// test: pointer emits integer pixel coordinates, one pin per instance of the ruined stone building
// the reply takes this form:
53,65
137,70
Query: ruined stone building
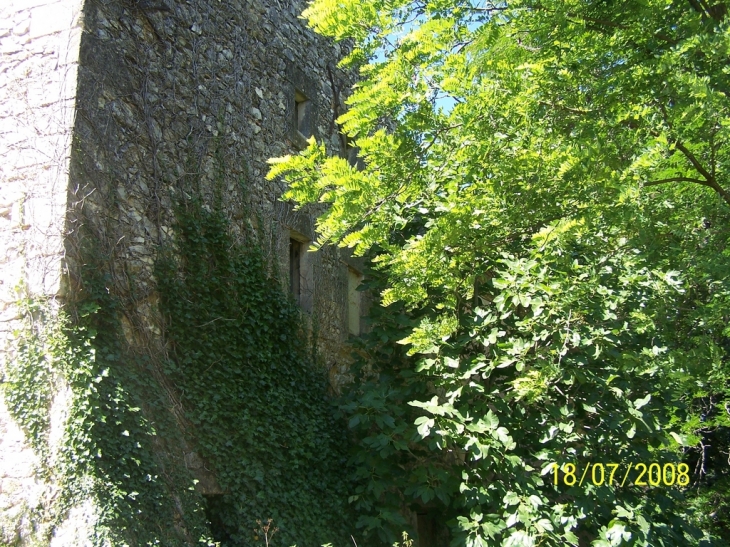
112,114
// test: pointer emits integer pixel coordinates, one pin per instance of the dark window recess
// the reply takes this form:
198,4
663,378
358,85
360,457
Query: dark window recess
295,269
426,532
220,514
354,279
431,529
303,113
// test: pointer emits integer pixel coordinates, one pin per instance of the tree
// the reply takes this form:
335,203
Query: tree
545,198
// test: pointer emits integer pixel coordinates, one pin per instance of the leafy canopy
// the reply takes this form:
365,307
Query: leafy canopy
545,197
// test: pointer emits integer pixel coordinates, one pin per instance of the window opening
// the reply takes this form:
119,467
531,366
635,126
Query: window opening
354,298
303,114
301,272
426,535
219,512
295,269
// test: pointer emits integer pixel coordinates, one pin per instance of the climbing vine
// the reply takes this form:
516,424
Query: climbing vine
229,379
258,405
250,388
29,378
111,450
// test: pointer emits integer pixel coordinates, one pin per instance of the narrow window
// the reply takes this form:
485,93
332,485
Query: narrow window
218,510
426,534
303,113
301,271
353,301
295,269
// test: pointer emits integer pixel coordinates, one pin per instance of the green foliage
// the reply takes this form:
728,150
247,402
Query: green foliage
28,385
544,370
106,452
258,404
545,198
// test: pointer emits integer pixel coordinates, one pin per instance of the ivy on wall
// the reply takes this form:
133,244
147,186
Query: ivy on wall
29,378
110,451
238,357
250,387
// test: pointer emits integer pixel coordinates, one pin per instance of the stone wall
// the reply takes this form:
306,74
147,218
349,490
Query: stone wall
39,46
112,111
193,97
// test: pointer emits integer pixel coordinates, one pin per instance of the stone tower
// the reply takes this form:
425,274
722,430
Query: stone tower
111,113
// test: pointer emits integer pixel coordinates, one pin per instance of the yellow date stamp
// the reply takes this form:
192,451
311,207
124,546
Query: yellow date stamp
599,474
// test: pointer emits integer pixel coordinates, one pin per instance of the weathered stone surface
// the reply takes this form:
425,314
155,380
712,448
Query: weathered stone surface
39,45
167,96
112,115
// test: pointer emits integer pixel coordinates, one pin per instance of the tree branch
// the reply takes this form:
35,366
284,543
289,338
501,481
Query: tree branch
676,179
710,180
693,160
